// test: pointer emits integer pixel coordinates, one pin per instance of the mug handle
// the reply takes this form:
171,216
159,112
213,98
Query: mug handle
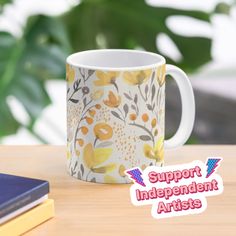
188,107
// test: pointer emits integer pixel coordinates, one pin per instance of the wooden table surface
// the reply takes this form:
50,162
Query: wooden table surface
100,209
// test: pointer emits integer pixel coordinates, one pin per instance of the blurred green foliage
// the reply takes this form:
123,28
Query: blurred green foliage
39,55
129,24
25,65
2,2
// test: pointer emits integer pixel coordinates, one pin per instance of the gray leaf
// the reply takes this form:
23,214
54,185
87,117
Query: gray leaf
133,107
126,109
76,163
153,76
75,85
73,100
145,137
93,180
85,101
127,96
136,98
149,107
146,89
114,113
79,175
82,169
153,91
105,144
90,72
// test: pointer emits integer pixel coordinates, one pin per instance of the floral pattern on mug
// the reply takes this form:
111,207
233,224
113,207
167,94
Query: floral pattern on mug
115,122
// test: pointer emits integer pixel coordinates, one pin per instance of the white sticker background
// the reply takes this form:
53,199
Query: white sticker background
183,181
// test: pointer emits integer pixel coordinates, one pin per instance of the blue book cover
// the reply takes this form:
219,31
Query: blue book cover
16,192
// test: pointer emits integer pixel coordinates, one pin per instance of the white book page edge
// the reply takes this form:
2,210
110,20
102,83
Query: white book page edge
23,209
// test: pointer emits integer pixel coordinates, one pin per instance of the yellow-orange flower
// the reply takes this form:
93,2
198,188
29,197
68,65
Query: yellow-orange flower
80,142
70,74
113,100
98,106
105,78
92,112
156,152
136,77
122,170
89,120
103,131
161,70
84,130
145,117
132,116
143,167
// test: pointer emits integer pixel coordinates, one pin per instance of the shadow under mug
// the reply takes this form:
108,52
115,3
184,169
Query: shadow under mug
115,112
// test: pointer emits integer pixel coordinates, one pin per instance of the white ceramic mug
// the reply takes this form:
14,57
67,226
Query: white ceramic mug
116,108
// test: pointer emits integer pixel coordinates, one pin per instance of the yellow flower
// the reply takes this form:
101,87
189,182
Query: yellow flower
156,152
137,77
154,122
109,179
104,169
77,152
122,171
103,131
105,78
95,157
155,132
70,74
113,100
68,154
96,95
161,75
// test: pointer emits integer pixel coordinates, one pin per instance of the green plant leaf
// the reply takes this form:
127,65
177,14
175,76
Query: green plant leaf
3,2
132,23
25,65
8,124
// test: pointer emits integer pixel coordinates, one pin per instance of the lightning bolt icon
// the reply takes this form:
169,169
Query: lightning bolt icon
212,165
136,176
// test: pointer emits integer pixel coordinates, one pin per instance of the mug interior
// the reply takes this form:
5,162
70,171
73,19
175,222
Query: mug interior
115,59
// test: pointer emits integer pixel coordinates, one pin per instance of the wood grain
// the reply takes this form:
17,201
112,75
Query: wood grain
100,209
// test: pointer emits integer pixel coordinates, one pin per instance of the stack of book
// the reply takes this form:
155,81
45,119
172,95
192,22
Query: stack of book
24,204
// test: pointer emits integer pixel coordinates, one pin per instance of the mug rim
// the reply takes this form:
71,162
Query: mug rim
160,60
